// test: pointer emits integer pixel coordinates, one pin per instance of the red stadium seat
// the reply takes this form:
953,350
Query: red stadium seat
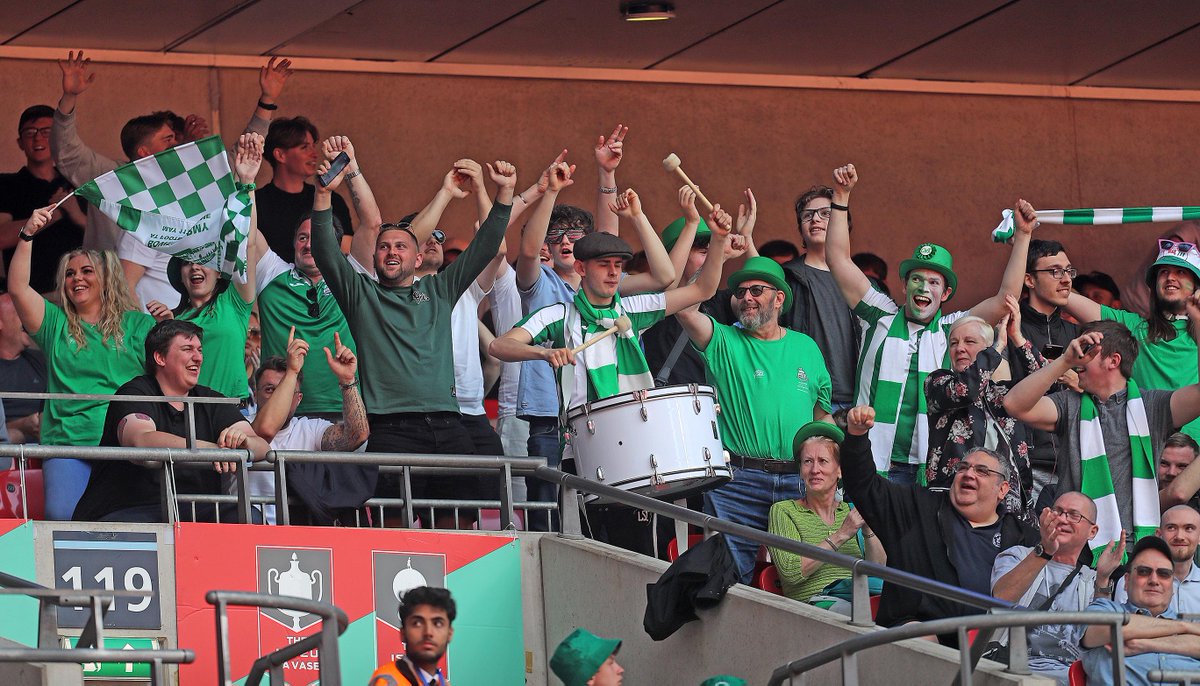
1076,676
10,494
673,546
768,580
875,605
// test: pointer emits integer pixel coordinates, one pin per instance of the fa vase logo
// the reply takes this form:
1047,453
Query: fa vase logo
298,574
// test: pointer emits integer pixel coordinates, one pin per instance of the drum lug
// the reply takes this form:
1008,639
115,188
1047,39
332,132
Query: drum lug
645,415
695,389
587,413
599,473
641,397
591,426
655,479
708,468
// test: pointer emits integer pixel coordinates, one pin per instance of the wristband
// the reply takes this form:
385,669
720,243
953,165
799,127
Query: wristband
354,174
835,206
521,195
348,386
608,189
24,236
265,106
831,543
244,186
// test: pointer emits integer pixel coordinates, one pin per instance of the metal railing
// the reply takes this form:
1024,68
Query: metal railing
333,623
88,648
1173,676
848,650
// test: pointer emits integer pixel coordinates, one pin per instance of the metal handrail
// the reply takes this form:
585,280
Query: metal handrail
333,623
1173,676
848,650
88,648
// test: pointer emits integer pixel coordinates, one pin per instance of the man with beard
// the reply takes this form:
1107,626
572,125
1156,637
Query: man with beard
901,346
1180,528
771,381
1167,353
426,626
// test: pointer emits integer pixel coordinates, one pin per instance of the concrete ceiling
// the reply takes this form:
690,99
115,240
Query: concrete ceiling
1054,42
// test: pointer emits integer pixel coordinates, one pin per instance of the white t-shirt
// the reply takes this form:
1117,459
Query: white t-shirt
505,300
464,333
154,284
302,433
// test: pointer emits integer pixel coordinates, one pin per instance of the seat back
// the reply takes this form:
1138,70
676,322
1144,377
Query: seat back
10,494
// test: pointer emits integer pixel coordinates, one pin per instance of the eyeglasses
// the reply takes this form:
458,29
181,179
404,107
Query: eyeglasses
1162,573
31,132
314,310
1057,273
1071,515
254,332
755,290
439,236
573,234
1166,245
980,470
806,216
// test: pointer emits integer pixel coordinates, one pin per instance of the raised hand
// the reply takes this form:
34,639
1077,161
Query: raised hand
844,179
859,420
626,204
335,145
1111,558
719,221
544,182
342,361
1048,531
747,215
1002,333
272,78
560,176
1083,349
1193,306
334,182
159,311
195,127
77,73
736,246
1026,217
38,220
609,150
503,174
297,351
248,156
851,524
687,203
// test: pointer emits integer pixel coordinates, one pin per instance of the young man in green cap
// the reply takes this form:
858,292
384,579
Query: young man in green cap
1166,351
901,345
585,659
771,381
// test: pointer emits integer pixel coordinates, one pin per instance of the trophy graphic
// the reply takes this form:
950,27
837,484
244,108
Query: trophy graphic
295,583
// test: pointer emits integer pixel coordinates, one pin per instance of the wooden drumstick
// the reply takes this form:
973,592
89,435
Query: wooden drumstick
671,164
623,325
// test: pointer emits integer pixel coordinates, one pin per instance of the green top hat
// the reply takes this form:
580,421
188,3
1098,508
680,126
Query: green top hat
671,234
816,428
935,257
762,269
580,656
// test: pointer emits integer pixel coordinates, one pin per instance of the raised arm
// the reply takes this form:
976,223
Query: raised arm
274,413
704,287
851,281
530,196
72,157
1027,401
1182,489
349,433
1185,401
30,305
455,185
661,273
529,260
746,219
608,156
272,77
682,248
362,243
247,159
992,309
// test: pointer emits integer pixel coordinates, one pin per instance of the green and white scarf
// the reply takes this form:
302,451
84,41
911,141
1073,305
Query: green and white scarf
1099,215
611,369
1096,478
901,436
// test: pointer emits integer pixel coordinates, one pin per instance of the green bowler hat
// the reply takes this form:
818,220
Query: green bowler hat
935,257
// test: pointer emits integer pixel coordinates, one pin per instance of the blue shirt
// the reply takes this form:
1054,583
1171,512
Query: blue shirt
1097,662
537,394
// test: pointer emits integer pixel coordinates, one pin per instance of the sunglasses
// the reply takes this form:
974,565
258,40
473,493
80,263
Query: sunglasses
555,236
439,236
755,290
1166,246
314,310
1144,571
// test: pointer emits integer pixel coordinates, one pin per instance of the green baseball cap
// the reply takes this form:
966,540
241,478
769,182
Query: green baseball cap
816,428
762,269
935,257
671,234
580,656
723,680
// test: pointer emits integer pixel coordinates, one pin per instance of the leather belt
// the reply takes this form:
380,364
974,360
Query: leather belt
763,465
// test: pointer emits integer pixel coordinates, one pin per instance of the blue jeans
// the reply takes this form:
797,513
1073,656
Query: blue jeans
903,473
65,479
747,500
543,442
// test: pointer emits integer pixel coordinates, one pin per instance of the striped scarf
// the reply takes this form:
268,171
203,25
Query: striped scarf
897,388
611,369
1096,478
1099,215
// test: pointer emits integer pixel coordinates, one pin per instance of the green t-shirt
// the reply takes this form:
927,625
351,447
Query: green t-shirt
790,520
1163,364
767,389
283,302
98,367
225,327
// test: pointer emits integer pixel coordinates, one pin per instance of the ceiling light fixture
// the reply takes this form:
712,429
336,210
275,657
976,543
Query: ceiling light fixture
647,11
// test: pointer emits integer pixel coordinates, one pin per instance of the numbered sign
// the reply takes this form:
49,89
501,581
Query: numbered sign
123,561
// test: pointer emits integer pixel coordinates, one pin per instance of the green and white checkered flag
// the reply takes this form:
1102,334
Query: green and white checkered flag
1099,215
183,202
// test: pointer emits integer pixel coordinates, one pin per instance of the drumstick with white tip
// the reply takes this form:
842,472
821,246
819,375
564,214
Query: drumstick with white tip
671,164
623,325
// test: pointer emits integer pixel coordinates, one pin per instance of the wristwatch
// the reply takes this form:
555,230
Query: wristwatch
1107,590
24,236
1041,552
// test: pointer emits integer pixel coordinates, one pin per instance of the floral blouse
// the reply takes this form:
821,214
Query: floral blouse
960,405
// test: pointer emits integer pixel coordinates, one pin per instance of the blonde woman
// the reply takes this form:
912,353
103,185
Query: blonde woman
93,343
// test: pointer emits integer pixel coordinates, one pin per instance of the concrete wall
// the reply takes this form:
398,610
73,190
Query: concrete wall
749,634
933,167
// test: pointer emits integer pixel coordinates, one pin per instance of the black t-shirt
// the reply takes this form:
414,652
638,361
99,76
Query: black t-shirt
279,213
116,485
973,552
22,193
659,340
26,374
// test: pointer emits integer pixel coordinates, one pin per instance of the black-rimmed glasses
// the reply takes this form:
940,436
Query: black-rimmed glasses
1071,515
1057,273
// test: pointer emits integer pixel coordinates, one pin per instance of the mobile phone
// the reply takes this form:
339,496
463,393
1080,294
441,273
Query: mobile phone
339,163
1050,351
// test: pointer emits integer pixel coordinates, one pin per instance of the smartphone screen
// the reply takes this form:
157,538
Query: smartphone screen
339,163
1051,351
